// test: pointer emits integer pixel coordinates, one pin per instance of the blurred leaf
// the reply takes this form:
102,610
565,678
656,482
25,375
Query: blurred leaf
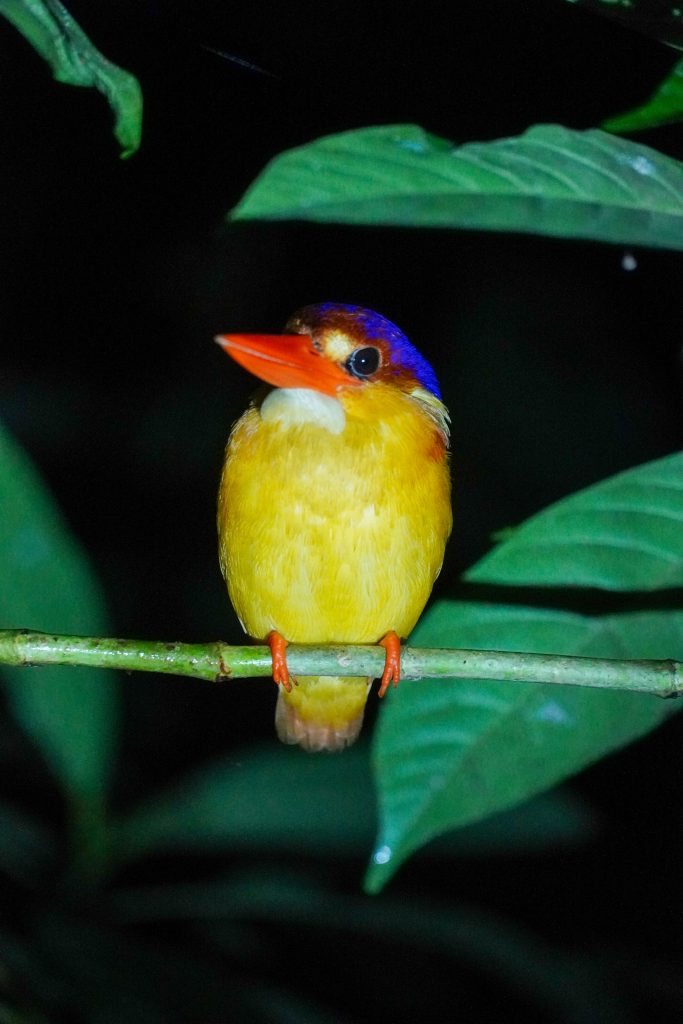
26,846
549,181
569,990
51,30
13,1011
660,19
624,533
665,106
548,821
278,798
20,962
283,1006
447,753
72,715
240,803
108,976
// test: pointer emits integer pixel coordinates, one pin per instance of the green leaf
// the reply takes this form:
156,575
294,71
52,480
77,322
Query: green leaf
269,797
549,181
665,106
450,753
51,30
72,715
624,533
239,803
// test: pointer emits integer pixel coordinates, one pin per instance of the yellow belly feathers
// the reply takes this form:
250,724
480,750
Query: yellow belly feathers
332,526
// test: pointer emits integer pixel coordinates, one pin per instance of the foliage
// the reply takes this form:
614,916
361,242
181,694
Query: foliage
73,719
622,534
549,181
473,756
58,38
78,938
665,106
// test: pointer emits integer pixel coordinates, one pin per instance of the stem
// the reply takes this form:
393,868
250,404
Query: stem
220,662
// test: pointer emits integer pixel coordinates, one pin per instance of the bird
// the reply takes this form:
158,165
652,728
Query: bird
334,504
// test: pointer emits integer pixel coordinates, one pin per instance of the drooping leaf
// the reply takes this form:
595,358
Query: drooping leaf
56,36
267,798
624,533
448,753
549,181
665,106
47,585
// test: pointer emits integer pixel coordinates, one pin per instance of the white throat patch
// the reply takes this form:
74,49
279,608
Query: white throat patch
303,405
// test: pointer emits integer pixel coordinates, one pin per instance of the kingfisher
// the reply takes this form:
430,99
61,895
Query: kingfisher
334,504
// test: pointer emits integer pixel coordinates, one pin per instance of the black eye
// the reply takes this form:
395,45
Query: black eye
363,362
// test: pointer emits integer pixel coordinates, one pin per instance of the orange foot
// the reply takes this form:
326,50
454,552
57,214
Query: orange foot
392,661
278,645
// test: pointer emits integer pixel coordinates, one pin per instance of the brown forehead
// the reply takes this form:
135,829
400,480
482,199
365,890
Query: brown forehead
336,333
316,321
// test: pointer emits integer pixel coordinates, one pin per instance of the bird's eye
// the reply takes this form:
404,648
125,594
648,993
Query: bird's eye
363,361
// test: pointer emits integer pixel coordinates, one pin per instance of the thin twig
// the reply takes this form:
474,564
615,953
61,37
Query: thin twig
220,662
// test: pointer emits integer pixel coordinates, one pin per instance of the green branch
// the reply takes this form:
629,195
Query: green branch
220,662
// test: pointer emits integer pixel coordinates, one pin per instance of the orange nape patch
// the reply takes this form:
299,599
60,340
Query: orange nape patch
438,448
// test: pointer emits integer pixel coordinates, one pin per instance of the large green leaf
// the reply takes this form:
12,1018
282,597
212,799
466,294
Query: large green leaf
624,533
47,584
665,106
447,753
58,38
271,797
243,802
549,181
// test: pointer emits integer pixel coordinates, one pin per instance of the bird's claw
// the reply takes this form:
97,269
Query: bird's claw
278,647
392,661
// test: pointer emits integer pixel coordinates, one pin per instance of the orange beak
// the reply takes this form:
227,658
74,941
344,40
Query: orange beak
286,360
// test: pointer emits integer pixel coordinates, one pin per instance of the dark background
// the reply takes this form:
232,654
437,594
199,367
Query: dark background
559,365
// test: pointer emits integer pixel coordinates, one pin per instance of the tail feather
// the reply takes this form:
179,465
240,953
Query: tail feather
322,712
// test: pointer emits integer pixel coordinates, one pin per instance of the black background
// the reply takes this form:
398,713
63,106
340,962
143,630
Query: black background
560,366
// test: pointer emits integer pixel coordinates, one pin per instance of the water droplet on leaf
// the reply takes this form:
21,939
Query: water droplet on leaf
383,855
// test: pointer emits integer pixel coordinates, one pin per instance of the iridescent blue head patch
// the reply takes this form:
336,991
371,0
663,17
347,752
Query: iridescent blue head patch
368,326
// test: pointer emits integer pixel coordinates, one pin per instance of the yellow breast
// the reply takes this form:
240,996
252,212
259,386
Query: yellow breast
333,518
